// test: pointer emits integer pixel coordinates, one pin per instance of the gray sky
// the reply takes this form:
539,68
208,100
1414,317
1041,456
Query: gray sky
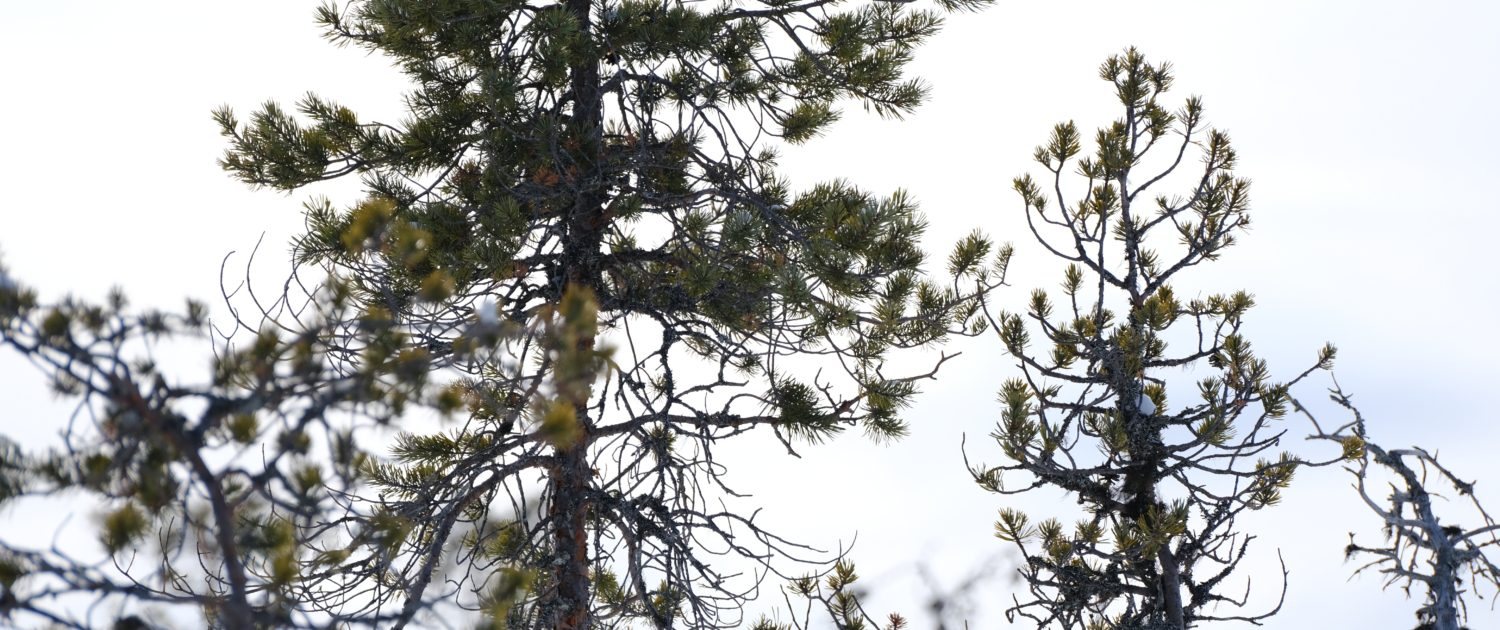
1368,128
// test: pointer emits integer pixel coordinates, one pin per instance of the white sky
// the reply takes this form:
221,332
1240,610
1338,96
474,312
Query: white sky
1368,128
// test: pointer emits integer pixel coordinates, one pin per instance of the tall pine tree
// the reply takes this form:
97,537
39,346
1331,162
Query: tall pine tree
614,157
1161,482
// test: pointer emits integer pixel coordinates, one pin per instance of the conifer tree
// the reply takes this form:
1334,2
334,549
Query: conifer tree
223,497
1103,410
618,150
1448,560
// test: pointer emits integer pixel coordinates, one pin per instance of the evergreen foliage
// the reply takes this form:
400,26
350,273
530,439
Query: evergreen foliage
614,154
1161,475
227,496
575,256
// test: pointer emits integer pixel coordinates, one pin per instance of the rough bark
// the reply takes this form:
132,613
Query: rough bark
1171,587
570,477
570,535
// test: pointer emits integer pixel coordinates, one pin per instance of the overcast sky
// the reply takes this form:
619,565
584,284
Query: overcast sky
1369,129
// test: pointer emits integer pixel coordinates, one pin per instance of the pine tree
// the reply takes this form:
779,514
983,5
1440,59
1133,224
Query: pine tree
1422,547
614,156
1091,414
222,496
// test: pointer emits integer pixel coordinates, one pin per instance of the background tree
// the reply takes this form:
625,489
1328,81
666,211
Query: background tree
232,496
615,149
1091,415
1420,547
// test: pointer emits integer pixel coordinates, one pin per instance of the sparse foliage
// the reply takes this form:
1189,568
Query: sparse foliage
830,597
1162,467
230,496
1449,562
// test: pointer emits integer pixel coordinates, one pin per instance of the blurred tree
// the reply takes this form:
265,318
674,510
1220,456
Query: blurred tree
615,149
1420,547
1091,415
230,495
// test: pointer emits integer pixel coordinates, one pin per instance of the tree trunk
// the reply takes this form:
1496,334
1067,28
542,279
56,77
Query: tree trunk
1445,574
572,475
1171,587
570,483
